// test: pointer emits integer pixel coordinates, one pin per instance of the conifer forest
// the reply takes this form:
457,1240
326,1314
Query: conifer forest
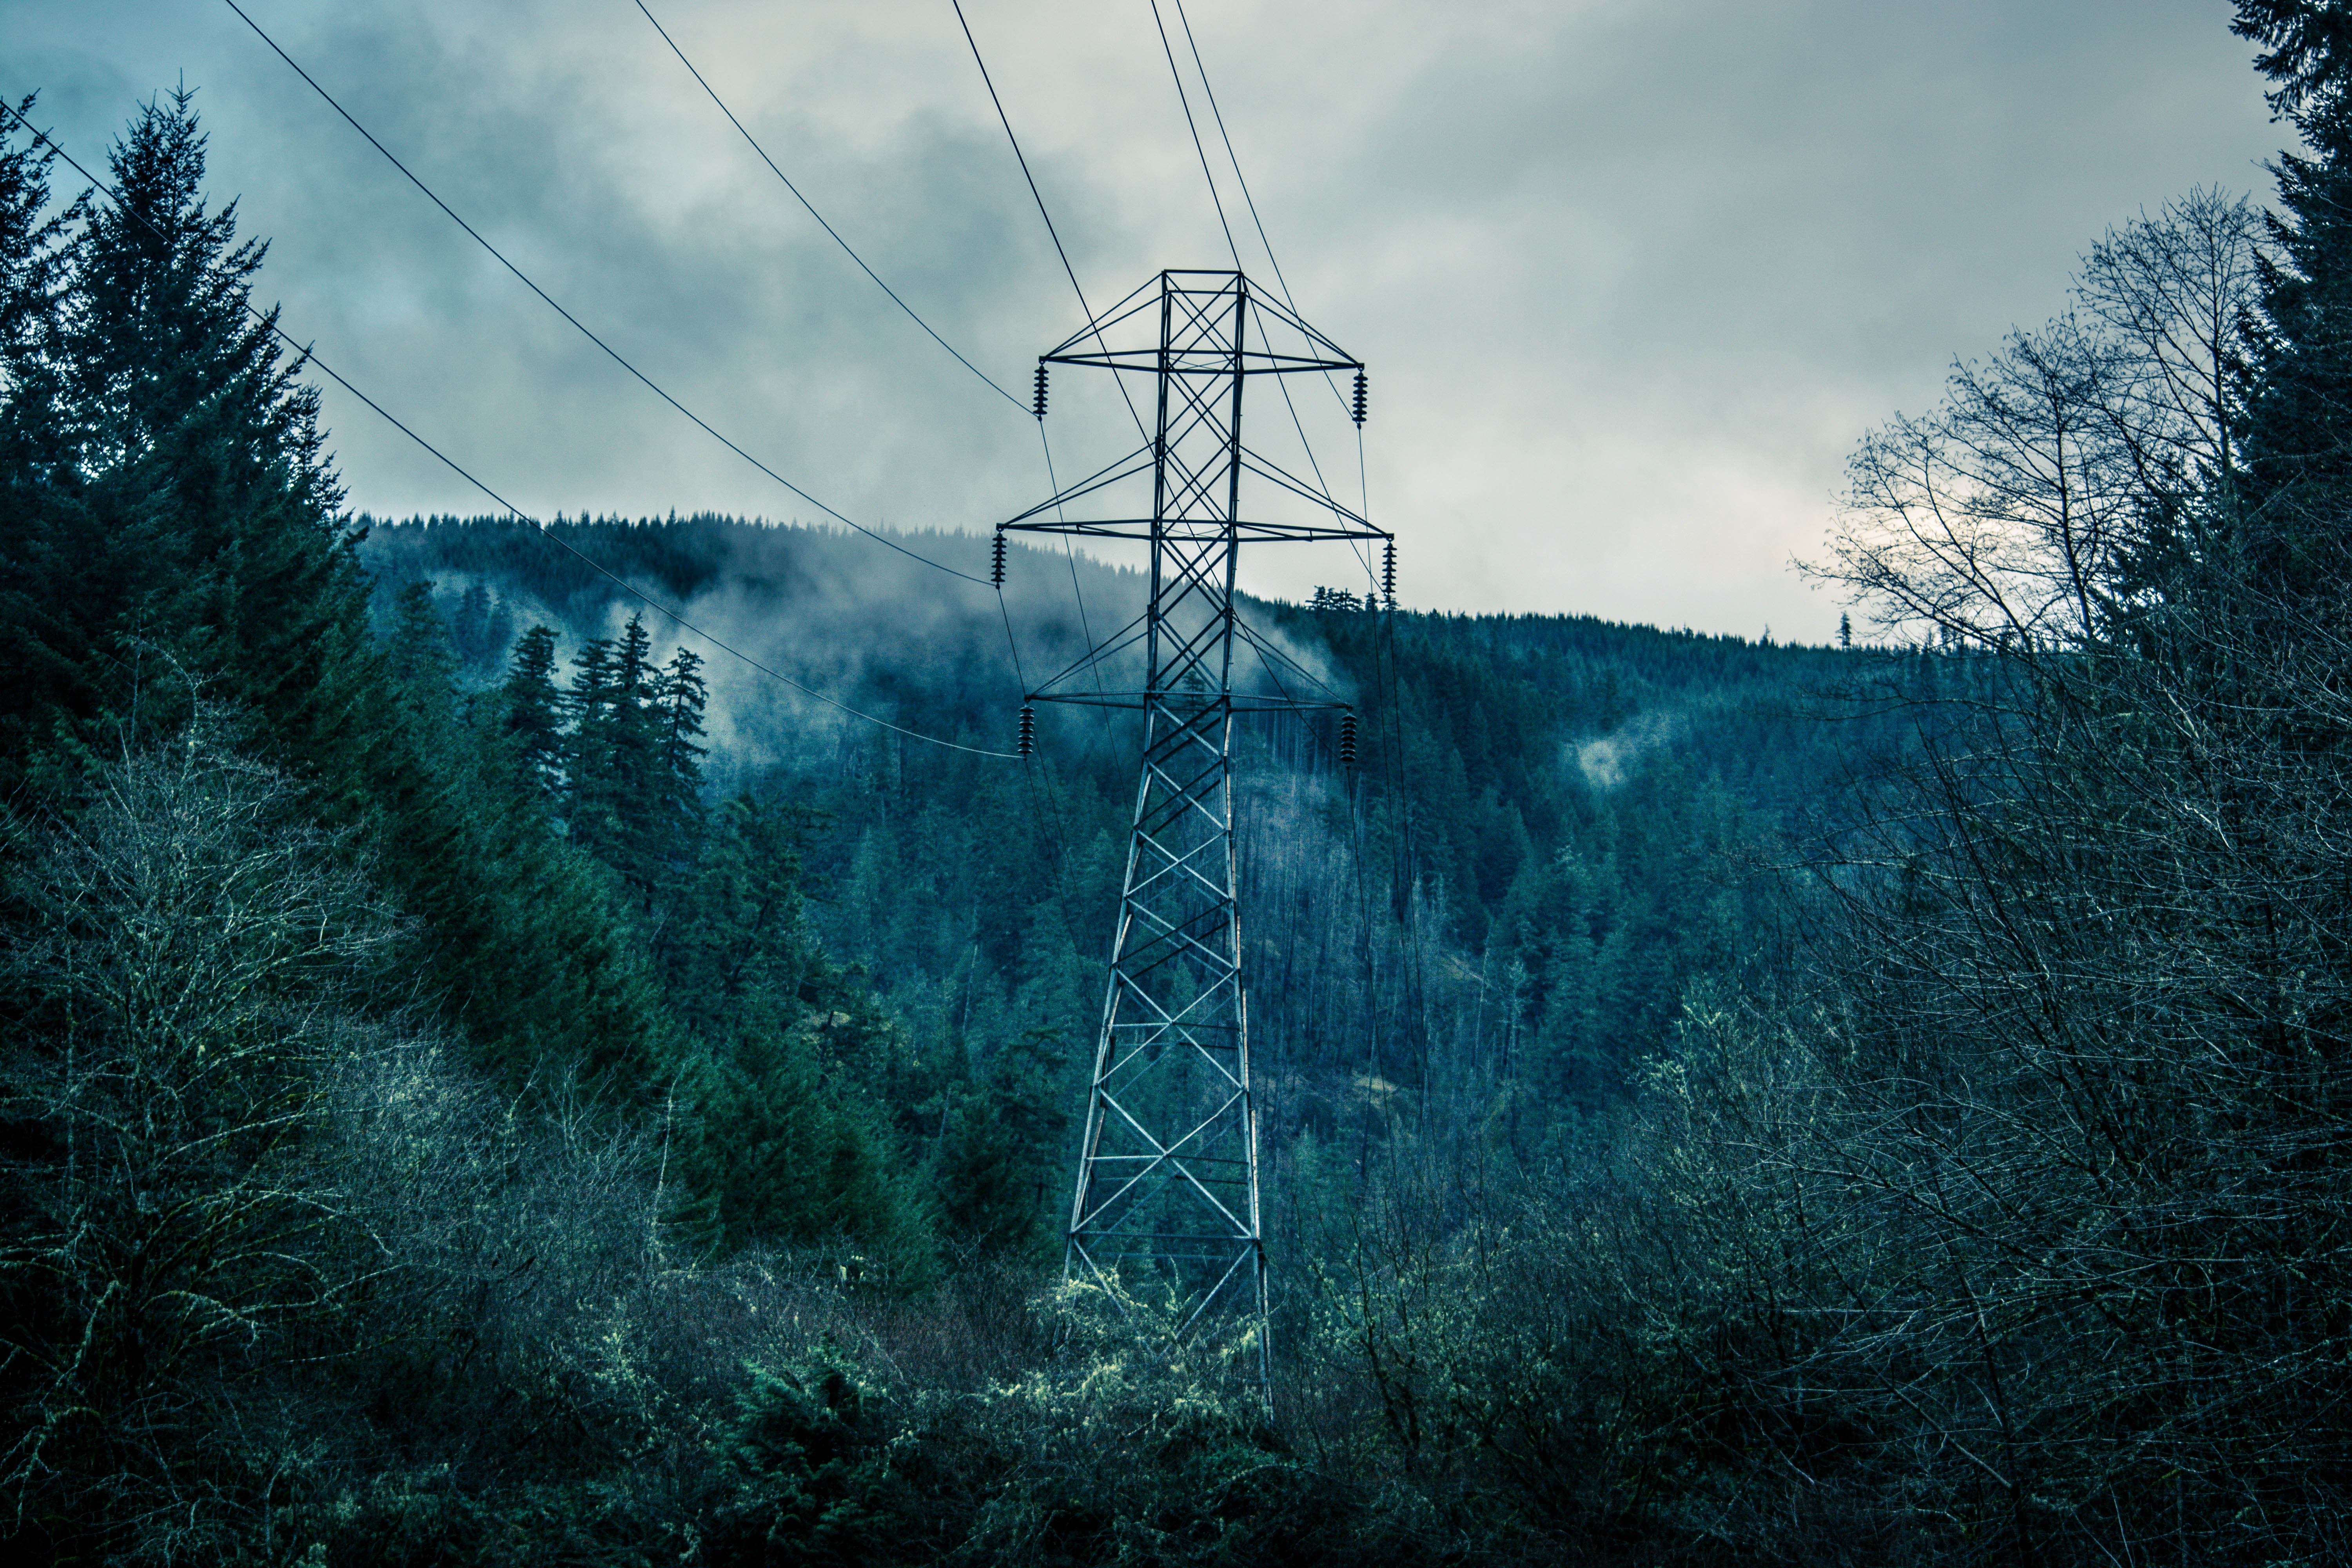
487,1076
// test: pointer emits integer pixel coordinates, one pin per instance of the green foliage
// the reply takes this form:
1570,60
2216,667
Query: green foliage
1198,1476
814,1470
999,1173
616,807
780,1147
169,504
173,530
532,711
438,1124
2282,530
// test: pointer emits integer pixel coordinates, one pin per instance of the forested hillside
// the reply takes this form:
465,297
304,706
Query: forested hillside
1555,807
527,1044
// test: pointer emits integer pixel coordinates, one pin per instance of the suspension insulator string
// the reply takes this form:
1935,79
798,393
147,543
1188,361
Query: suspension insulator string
1360,393
1028,742
996,561
1347,738
1041,393
1388,575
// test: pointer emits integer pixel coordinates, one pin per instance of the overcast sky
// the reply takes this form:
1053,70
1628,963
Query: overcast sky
1630,276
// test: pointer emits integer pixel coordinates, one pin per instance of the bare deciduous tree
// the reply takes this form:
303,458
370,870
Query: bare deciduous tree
2016,513
182,971
2093,994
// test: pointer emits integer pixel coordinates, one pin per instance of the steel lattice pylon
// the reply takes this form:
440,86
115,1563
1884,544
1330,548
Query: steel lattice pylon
1168,1176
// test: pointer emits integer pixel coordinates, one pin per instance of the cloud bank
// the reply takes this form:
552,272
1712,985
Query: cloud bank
1630,278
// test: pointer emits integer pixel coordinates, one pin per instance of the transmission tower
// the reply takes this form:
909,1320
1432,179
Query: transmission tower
1167,1187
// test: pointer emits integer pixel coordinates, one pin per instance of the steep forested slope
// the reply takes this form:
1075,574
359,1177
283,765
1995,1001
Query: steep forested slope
1545,836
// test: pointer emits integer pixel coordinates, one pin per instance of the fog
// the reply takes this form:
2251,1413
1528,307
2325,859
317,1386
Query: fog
1631,280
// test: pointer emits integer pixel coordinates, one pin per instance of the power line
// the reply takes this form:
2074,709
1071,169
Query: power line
820,217
1051,233
1004,120
1177,74
1218,115
1386,633
1085,627
1282,384
618,359
611,353
1193,126
1012,644
1242,180
1085,310
1225,136
305,355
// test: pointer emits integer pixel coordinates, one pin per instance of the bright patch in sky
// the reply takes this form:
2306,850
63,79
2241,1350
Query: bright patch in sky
1630,278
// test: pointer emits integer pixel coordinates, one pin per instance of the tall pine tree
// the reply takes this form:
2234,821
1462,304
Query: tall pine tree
171,528
170,502
534,710
679,698
2299,442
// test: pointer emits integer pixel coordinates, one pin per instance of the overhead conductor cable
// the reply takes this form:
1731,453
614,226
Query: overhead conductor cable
804,202
305,355
609,351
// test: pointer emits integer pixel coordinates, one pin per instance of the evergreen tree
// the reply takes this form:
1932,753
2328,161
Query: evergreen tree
1000,1167
169,492
617,758
679,698
742,927
2299,444
587,705
172,526
420,654
635,770
592,686
32,254
36,635
534,711
480,628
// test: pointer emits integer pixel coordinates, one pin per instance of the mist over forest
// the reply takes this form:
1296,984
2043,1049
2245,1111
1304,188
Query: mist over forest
568,1042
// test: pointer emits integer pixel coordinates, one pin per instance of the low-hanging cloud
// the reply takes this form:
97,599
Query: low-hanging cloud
1605,762
1621,337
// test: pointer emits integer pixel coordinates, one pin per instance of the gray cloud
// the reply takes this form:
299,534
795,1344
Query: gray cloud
1631,277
